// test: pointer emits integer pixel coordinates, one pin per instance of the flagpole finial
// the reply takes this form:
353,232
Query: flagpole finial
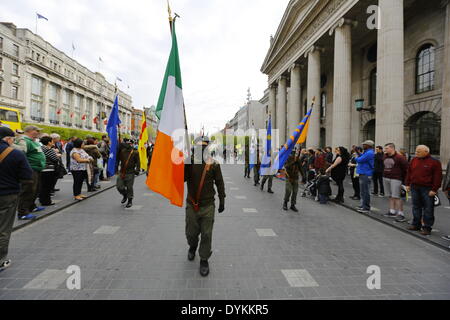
169,11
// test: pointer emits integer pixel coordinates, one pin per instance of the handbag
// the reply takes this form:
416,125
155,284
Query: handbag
60,170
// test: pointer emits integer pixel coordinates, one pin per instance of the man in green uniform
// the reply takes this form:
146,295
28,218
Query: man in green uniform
36,158
130,165
201,175
292,169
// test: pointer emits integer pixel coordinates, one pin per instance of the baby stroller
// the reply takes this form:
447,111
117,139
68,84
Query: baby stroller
311,185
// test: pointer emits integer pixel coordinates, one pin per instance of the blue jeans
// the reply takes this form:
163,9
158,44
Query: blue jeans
364,185
423,207
323,198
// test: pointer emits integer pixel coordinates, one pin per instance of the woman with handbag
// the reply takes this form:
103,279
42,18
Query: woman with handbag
48,176
79,161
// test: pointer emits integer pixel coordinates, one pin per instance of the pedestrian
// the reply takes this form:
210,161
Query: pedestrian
37,161
423,179
320,160
394,174
353,174
201,175
247,161
338,171
364,169
103,147
292,170
69,147
79,161
328,156
60,170
269,184
378,172
446,182
93,170
130,166
48,175
256,168
323,186
14,168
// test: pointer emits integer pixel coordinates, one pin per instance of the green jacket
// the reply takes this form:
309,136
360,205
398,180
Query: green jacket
193,174
33,152
293,166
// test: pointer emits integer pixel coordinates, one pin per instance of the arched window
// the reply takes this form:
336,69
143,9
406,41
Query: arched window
425,68
323,105
369,130
425,128
373,87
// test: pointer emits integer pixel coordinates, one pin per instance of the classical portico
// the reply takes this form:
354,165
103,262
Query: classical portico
337,52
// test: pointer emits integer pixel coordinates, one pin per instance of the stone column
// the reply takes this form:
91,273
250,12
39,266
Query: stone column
83,112
46,101
273,104
342,90
390,68
281,109
295,104
313,55
445,115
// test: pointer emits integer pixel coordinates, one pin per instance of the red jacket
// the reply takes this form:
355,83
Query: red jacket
425,172
320,161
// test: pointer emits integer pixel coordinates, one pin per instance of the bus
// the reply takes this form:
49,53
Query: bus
10,118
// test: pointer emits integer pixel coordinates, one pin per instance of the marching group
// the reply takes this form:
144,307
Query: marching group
394,174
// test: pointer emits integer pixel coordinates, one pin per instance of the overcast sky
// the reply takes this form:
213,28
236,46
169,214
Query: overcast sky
222,46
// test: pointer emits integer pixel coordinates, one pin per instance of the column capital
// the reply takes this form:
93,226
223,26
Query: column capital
314,48
282,78
342,22
295,65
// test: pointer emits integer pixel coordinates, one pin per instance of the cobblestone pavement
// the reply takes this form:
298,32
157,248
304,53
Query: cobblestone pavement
260,252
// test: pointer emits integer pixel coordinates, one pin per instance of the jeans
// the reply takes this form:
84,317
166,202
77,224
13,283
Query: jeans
378,179
423,207
323,198
364,184
96,178
356,188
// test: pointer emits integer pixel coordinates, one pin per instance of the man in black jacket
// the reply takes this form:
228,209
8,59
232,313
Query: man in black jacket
378,171
14,169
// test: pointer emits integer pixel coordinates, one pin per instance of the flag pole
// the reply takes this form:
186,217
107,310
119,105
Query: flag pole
36,22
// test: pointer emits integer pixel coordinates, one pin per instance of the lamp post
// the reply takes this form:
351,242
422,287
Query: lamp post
359,104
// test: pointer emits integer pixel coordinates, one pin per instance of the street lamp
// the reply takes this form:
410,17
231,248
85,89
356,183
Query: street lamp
359,104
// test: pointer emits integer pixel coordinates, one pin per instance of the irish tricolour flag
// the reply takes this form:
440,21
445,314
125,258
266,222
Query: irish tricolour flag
166,175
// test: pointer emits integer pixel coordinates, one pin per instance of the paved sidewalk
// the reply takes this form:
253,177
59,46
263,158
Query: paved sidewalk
260,252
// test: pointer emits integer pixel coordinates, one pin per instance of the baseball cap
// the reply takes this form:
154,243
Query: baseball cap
369,143
32,128
6,132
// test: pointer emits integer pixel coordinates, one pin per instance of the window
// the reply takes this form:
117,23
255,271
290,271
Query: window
425,69
373,88
1,83
88,112
36,99
15,69
14,92
323,105
10,116
369,130
15,50
38,57
53,104
1,43
1,63
67,98
77,110
425,128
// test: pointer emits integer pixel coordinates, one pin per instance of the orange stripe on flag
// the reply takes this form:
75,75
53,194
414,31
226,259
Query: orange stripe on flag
166,177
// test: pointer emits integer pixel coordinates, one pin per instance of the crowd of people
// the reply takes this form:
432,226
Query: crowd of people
395,175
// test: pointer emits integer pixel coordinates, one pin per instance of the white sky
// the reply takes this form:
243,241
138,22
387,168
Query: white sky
222,45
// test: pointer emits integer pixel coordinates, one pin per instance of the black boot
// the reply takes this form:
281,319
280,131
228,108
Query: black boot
124,199
285,206
293,208
270,191
130,203
262,186
204,268
191,254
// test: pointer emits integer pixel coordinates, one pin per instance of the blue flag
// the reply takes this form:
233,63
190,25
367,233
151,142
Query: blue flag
286,150
111,129
267,159
41,16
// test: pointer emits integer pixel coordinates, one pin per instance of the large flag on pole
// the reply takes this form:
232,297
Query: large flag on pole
143,140
286,150
111,129
266,162
166,175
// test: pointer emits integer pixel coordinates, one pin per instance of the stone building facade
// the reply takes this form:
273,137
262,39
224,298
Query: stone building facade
50,88
391,57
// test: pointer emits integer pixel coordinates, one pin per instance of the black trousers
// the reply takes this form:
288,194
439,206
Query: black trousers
28,195
378,179
47,185
78,179
8,205
356,189
340,194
